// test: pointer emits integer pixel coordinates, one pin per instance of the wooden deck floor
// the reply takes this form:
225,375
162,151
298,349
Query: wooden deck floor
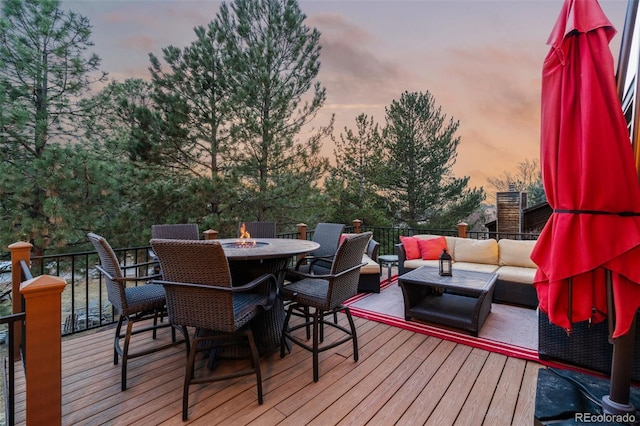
401,378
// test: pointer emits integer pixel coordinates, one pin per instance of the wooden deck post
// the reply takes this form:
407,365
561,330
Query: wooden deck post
357,226
302,231
43,302
302,235
210,234
462,230
19,251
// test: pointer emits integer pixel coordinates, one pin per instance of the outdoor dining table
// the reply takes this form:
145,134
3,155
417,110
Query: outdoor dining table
251,258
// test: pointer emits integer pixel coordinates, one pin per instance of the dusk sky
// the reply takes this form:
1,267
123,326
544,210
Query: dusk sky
481,60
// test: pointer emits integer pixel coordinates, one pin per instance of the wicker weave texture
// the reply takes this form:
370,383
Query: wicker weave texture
196,262
195,307
587,346
328,236
203,262
109,262
176,231
326,294
126,301
259,229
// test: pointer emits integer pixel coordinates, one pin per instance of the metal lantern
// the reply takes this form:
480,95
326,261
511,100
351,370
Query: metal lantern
445,264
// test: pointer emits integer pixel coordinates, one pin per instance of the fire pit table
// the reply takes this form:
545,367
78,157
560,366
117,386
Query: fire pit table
250,258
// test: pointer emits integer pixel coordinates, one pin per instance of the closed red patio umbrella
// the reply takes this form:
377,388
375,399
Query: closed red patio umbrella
589,176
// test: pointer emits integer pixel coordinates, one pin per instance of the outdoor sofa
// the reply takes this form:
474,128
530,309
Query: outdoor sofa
510,259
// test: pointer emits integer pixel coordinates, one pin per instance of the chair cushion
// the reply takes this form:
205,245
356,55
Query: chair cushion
308,291
144,298
371,266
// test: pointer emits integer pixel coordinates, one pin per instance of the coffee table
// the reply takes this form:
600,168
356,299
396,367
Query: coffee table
461,301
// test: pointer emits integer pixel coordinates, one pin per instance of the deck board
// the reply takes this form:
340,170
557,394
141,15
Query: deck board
477,402
506,395
454,398
401,377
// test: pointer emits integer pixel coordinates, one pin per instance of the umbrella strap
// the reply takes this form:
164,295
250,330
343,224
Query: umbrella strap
596,212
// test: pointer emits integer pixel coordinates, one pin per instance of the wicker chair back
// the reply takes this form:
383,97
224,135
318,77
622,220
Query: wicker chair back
177,231
190,261
259,229
349,254
328,236
200,262
109,262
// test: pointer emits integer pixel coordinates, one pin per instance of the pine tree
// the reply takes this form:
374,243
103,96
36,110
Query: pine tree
421,147
271,58
45,70
354,184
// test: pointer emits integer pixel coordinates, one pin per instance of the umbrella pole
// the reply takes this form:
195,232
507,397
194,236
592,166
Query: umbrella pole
617,402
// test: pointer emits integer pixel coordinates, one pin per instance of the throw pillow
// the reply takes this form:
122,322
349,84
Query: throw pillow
432,249
411,248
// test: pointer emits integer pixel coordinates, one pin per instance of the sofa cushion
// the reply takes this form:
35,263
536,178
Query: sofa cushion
476,251
475,267
411,248
416,263
432,248
371,267
516,274
516,253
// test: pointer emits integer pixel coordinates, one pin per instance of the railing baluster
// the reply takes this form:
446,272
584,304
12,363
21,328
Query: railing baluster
9,367
388,237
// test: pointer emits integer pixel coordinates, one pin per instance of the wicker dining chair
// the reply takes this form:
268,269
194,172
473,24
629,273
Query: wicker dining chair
176,231
132,304
258,229
326,295
173,231
328,236
200,294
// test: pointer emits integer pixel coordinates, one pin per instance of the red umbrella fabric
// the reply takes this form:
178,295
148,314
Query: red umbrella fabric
589,176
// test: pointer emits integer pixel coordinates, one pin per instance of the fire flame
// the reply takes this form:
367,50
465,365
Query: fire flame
243,232
244,238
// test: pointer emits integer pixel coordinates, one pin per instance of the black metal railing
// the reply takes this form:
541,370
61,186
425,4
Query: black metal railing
11,323
85,304
9,365
484,235
84,300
